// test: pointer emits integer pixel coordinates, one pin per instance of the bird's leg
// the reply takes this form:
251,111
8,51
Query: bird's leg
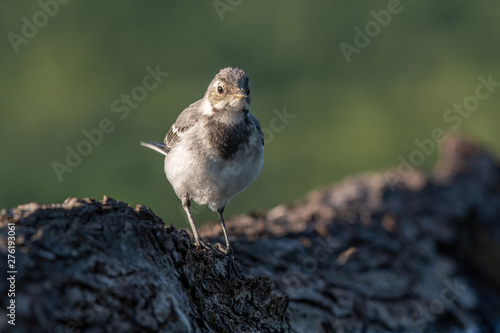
186,204
228,250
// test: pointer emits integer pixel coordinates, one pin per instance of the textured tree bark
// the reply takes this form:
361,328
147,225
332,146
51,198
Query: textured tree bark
384,252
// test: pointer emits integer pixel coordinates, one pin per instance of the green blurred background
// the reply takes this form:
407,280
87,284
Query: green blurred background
350,117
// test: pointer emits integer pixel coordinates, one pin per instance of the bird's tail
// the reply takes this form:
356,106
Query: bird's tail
159,147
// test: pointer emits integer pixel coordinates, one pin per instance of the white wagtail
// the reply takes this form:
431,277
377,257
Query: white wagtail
215,148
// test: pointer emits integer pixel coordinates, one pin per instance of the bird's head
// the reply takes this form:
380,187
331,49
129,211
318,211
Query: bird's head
229,91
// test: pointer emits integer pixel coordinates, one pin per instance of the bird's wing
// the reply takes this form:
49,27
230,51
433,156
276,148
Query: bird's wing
186,120
256,123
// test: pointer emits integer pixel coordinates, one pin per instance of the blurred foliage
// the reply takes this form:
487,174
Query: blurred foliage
350,117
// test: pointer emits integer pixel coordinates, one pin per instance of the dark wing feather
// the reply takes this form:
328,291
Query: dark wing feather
184,122
173,136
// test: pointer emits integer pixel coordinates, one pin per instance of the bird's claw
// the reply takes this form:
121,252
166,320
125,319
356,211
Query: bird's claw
208,247
228,250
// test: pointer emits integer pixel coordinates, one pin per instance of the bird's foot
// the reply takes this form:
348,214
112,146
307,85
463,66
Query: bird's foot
207,246
227,251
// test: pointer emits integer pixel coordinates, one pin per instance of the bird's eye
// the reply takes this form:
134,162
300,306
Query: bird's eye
220,90
248,91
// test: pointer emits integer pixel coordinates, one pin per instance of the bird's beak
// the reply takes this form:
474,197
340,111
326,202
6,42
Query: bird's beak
240,95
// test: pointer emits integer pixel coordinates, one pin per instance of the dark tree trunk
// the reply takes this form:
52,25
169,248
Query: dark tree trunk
383,252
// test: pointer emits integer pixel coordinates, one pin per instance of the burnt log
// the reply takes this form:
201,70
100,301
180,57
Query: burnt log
394,251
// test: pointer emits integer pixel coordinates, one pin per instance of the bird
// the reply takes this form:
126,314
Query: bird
214,150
